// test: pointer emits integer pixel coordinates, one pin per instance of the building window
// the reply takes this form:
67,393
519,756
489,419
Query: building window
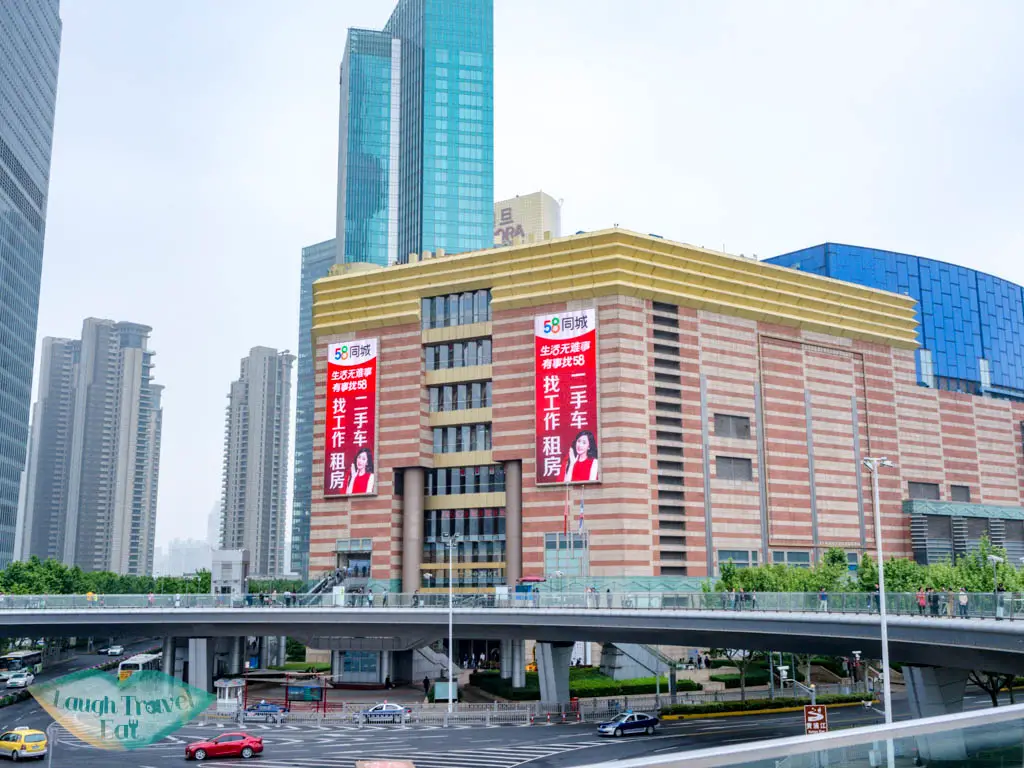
360,661
455,309
960,493
795,559
459,354
741,558
464,437
732,426
927,491
478,479
733,468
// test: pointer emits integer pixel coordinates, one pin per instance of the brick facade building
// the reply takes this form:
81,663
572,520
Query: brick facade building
737,400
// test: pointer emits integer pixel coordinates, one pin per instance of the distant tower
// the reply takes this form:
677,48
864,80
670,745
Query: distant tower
256,459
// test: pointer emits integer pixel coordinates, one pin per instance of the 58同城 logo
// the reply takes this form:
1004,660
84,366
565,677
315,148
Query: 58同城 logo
569,323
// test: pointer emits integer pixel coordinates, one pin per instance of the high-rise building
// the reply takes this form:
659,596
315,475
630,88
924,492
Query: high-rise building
416,133
30,34
317,261
186,556
527,218
213,527
255,459
94,463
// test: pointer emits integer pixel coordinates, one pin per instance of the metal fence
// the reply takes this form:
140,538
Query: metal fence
975,605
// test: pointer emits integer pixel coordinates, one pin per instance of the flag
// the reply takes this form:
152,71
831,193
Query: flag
581,514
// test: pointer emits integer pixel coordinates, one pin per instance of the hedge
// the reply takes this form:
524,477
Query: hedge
756,704
582,685
754,677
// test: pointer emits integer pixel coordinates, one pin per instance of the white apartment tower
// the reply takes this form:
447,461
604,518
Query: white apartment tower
90,491
256,459
527,219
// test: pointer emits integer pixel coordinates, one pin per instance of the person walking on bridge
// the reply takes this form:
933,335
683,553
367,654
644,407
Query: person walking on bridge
920,601
962,600
823,600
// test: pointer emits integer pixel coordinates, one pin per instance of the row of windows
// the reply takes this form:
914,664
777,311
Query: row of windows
459,480
472,523
459,397
465,437
743,558
456,309
459,354
465,552
930,492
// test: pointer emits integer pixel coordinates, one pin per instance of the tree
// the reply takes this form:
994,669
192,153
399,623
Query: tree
991,683
741,660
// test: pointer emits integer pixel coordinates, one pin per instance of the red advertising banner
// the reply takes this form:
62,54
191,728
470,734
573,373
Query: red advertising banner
351,426
565,359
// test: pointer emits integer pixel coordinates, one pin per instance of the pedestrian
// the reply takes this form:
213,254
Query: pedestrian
732,598
483,659
933,602
1000,601
417,601
151,599
707,661
822,600
608,597
288,598
700,662
273,597
920,601
962,600
875,599
369,597
426,686
753,600
177,601
385,597
387,683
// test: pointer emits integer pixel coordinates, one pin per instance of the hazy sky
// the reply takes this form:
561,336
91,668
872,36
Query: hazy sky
196,154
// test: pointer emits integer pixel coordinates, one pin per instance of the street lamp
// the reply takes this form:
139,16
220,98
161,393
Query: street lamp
996,560
451,541
873,464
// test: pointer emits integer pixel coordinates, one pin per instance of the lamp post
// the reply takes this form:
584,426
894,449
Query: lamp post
451,541
996,560
873,465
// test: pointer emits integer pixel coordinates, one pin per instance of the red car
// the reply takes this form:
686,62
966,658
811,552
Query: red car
225,745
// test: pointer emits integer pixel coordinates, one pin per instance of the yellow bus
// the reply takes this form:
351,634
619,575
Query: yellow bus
137,663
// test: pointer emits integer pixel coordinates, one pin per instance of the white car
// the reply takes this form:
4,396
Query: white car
115,650
20,680
384,713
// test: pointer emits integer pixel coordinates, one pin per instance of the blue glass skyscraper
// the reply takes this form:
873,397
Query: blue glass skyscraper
30,33
416,136
317,261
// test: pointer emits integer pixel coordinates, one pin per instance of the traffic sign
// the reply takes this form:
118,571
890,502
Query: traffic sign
815,718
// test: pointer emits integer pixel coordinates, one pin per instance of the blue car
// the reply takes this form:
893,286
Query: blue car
265,712
629,722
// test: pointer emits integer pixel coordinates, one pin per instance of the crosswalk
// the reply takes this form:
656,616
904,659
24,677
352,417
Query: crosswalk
479,757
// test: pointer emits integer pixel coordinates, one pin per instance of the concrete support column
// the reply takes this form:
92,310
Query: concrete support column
935,691
505,659
236,654
200,662
553,662
412,528
385,665
513,521
282,650
167,662
264,652
518,663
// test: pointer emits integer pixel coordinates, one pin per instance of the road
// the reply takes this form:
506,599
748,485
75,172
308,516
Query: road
29,714
539,746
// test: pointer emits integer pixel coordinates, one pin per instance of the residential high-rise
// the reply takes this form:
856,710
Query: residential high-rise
94,463
416,133
255,459
213,526
528,218
30,33
317,261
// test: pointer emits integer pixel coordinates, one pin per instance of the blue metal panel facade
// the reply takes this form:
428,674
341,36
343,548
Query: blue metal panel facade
30,32
317,261
965,316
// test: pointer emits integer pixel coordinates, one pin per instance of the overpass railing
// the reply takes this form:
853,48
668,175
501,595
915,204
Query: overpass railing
987,605
983,739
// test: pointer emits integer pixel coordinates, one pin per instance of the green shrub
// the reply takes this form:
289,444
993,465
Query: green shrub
582,685
755,704
755,676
